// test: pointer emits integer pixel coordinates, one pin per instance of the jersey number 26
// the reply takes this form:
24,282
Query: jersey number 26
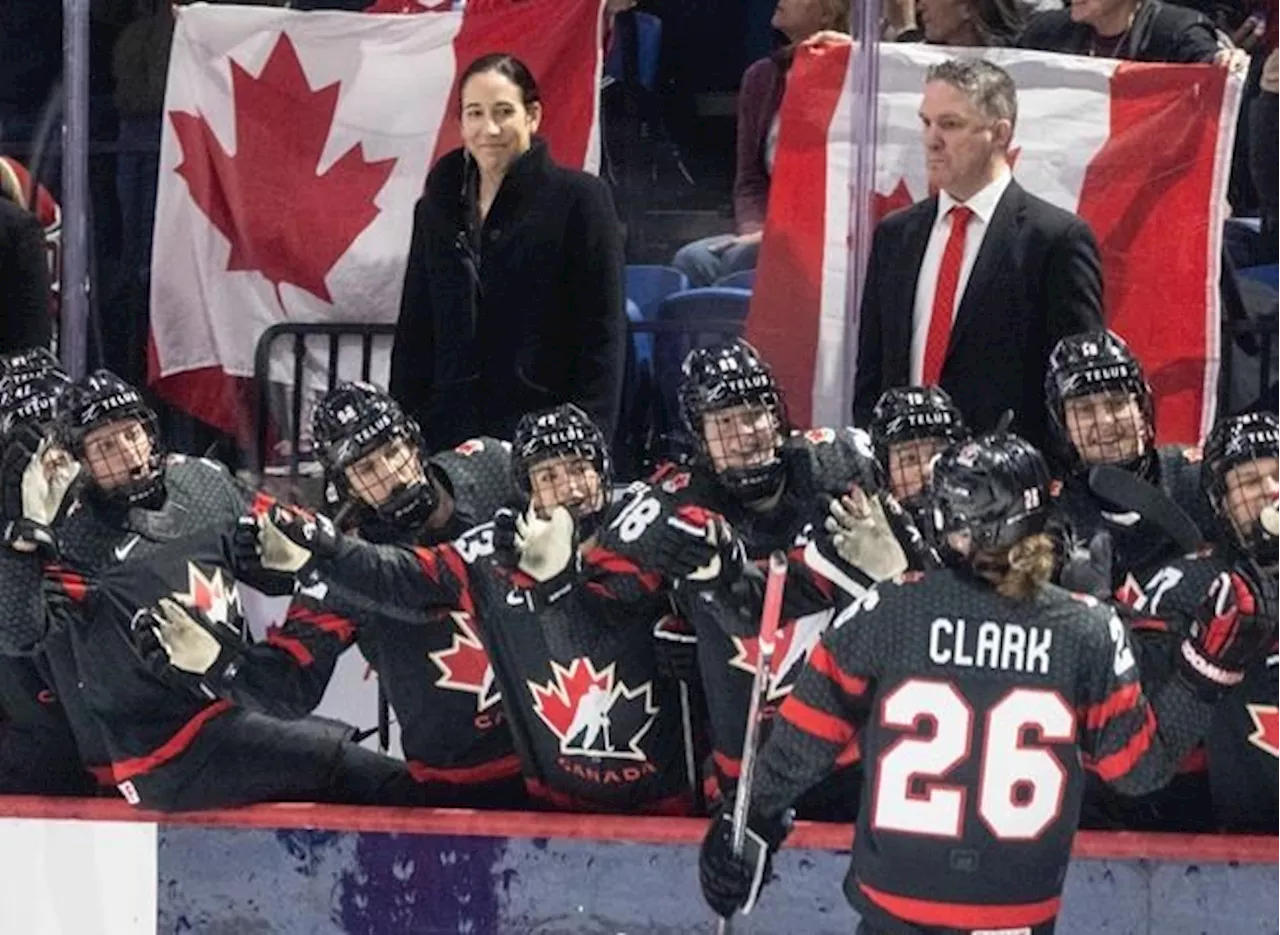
1020,785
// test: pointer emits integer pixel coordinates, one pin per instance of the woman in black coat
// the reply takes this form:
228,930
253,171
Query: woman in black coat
513,296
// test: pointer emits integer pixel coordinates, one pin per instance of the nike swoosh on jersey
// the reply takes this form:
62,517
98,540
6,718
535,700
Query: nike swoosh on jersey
122,551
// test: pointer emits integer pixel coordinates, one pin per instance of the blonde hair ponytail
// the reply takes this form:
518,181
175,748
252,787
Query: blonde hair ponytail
1022,570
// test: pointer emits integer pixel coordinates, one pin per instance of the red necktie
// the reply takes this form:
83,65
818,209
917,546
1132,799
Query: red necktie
944,297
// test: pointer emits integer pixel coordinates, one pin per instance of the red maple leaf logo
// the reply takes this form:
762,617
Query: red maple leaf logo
212,594
557,702
1266,722
896,200
464,666
283,217
791,648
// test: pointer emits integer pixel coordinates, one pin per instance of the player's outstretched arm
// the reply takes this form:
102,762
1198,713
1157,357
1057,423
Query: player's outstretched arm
406,584
1135,743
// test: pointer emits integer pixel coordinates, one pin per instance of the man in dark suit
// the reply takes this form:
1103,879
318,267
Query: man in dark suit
970,290
24,280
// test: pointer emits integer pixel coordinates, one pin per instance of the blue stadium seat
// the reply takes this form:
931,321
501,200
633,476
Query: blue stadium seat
647,286
743,279
648,51
1268,275
707,316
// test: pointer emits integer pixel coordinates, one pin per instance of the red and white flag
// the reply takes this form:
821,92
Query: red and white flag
295,146
1142,152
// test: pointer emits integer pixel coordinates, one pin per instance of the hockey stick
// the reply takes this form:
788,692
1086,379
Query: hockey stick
769,617
690,754
1128,491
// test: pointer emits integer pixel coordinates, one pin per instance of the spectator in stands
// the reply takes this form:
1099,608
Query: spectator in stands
711,258
971,22
513,296
983,272
1140,30
24,278
1262,154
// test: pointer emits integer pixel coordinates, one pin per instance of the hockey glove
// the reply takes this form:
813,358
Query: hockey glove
191,641
548,547
20,446
1086,567
863,538
1230,631
48,475
290,537
675,649
504,537
246,561
732,883
686,544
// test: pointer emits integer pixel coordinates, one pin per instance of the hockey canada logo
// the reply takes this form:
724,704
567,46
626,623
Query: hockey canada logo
211,594
794,642
464,666
582,707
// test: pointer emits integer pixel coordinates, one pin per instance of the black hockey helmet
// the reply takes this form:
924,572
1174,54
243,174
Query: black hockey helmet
724,376
353,420
563,432
995,487
1096,362
101,399
27,363
912,413
1237,441
31,398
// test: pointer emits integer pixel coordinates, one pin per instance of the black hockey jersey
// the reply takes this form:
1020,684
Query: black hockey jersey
38,754
113,563
1243,746
437,677
977,716
821,464
594,731
1137,543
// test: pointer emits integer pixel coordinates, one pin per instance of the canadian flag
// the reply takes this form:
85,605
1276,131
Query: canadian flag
1140,151
295,146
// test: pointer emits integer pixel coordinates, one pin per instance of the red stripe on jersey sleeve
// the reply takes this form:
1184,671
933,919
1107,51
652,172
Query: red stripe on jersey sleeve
823,661
1149,624
609,561
294,647
72,583
727,765
173,747
1117,764
340,627
1121,701
962,915
816,722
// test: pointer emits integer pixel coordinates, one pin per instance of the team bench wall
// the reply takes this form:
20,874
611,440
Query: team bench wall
83,867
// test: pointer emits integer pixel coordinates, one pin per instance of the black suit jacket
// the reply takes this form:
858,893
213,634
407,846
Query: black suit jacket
25,318
1036,279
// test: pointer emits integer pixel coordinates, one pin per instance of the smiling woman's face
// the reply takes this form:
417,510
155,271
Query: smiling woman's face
496,125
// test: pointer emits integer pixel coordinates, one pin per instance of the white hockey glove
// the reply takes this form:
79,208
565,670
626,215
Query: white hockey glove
863,538
45,482
546,546
289,538
189,646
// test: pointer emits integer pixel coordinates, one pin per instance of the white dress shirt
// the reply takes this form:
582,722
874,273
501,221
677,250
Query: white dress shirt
983,205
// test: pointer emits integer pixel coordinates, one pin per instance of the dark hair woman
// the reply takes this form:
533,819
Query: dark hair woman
513,295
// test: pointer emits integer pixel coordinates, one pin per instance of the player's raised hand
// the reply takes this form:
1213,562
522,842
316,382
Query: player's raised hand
1234,626
36,489
289,537
547,547
732,882
863,537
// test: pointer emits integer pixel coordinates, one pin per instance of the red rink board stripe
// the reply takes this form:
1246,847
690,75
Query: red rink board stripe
1089,845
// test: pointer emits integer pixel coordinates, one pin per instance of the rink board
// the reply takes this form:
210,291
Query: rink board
90,867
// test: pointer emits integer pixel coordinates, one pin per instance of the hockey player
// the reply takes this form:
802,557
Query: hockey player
777,489
980,694
1101,412
436,678
136,543
594,727
1242,479
38,754
910,426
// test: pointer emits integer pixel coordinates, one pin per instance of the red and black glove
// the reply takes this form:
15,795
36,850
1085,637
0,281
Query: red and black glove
1230,631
